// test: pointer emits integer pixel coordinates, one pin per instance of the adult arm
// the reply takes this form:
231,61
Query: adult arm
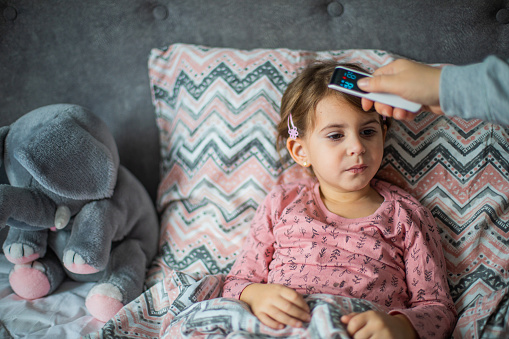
478,91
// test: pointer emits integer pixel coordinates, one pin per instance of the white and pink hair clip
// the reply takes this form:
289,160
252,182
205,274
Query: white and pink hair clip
293,133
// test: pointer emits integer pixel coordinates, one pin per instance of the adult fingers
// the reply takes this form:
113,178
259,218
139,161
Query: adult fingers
394,112
387,110
367,104
401,114
386,83
386,78
391,68
434,109
384,109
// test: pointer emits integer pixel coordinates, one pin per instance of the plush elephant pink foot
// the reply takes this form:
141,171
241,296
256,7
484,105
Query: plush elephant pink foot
20,254
104,301
29,281
76,264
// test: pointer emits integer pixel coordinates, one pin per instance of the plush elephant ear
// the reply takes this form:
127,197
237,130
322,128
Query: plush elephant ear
3,134
68,161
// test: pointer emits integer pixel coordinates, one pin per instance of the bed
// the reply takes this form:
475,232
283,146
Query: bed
191,90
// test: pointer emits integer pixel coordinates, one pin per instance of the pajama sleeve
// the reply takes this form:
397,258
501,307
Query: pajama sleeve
430,309
252,265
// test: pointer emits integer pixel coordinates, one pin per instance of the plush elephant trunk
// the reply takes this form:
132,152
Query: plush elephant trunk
26,208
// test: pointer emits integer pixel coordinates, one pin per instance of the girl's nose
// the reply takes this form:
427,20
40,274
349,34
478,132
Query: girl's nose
356,147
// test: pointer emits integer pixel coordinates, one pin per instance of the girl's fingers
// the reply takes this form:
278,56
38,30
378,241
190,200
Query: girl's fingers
267,320
285,318
293,310
363,333
355,324
285,306
346,318
294,298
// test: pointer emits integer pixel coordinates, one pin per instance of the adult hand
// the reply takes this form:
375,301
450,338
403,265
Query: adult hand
276,305
408,79
378,325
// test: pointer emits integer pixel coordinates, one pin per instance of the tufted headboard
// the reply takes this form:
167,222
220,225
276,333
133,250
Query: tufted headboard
94,53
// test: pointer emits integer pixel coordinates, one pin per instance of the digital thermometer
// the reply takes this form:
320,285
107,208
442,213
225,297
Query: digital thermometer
345,80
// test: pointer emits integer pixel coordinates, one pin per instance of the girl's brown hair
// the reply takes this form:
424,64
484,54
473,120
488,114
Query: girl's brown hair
303,94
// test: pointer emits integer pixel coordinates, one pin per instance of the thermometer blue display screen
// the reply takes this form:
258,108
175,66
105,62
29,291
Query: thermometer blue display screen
347,79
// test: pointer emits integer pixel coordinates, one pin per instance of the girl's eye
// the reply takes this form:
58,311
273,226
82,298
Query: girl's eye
368,132
335,136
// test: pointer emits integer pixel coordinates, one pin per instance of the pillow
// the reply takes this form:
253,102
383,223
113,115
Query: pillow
217,111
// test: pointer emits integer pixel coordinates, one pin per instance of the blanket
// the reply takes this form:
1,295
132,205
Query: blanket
195,309
182,306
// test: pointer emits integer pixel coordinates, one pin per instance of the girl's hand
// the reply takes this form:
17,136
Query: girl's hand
276,305
373,325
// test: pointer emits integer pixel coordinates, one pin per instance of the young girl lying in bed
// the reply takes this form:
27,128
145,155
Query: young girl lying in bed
342,232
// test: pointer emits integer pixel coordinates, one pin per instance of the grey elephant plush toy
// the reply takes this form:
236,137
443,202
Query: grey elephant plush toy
73,210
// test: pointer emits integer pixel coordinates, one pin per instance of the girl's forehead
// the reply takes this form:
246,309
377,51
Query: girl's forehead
339,109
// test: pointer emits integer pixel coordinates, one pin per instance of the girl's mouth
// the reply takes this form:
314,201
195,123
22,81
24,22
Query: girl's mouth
357,169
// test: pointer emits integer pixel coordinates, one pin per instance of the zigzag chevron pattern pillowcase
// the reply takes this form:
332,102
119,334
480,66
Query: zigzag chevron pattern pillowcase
217,111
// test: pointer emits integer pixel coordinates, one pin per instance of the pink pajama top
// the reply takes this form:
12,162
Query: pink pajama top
392,258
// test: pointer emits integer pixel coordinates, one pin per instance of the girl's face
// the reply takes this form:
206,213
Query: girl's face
344,148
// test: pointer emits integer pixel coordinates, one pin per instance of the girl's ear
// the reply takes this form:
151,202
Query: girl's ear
297,149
